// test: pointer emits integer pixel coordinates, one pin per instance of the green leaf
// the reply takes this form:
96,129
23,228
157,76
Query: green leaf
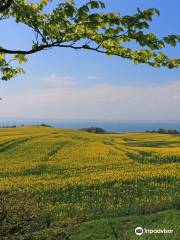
94,4
20,57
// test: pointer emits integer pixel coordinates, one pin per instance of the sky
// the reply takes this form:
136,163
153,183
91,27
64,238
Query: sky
69,84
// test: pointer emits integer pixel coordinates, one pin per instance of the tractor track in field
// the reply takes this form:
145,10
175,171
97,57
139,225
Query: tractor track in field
6,146
54,150
13,143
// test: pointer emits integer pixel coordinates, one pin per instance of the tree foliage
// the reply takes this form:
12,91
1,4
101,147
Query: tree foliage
89,26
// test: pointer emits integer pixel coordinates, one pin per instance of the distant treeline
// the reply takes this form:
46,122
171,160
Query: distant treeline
93,130
163,131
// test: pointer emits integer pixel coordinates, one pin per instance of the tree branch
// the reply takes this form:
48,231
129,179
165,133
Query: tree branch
56,44
26,52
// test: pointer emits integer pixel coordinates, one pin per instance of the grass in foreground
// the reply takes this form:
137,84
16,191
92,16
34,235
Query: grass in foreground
123,227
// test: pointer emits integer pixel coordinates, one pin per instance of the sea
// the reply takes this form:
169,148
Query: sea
110,126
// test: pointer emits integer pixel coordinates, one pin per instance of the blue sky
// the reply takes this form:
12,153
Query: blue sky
63,83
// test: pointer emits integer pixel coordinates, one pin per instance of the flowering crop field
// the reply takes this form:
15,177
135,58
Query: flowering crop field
66,184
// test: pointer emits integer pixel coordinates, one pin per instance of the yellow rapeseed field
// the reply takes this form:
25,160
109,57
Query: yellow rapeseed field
75,173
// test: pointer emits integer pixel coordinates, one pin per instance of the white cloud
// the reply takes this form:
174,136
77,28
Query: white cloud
93,77
54,80
96,102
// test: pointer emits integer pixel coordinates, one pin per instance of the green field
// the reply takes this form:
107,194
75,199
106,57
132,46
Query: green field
67,184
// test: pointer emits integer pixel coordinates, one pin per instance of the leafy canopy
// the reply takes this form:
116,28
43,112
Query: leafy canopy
89,27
